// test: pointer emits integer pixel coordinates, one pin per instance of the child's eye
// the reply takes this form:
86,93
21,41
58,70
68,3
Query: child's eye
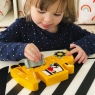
41,12
57,14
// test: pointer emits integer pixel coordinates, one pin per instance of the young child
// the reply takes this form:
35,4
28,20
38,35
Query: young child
47,25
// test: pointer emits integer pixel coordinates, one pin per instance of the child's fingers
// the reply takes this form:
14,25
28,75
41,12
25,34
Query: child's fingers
33,56
35,53
74,50
82,57
85,59
72,45
29,56
79,55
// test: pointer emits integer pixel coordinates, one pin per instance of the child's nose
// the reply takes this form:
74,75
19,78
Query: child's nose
48,19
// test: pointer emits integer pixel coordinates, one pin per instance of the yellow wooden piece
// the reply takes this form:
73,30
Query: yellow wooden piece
29,82
55,69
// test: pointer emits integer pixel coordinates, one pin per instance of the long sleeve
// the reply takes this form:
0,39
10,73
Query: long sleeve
84,39
87,44
11,46
14,39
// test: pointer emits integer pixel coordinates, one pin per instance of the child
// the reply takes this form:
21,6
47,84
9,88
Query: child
47,25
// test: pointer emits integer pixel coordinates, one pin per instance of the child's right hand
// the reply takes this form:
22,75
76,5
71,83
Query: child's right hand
32,52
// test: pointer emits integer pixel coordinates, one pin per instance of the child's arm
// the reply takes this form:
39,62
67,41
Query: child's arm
11,46
84,39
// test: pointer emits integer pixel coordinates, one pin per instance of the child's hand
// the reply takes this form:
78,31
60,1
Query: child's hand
32,52
81,55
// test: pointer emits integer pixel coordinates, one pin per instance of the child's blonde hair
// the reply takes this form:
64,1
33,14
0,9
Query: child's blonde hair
70,13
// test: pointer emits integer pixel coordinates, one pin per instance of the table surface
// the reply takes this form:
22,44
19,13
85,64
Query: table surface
82,82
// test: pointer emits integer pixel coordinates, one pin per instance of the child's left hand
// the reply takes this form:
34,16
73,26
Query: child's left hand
81,56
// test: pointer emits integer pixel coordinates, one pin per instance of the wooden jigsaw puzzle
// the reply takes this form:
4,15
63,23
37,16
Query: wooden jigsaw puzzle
56,68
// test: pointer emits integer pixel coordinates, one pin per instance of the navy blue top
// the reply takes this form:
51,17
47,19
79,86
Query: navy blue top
14,39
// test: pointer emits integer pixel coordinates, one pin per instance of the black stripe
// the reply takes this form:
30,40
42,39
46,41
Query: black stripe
3,27
3,79
41,88
91,58
64,84
9,77
84,87
15,90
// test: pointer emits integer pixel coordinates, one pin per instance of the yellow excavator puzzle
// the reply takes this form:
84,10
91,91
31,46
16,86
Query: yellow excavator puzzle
53,69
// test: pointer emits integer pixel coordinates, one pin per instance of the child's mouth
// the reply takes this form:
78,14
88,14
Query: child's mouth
46,26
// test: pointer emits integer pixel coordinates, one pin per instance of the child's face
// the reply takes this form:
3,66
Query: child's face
48,19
